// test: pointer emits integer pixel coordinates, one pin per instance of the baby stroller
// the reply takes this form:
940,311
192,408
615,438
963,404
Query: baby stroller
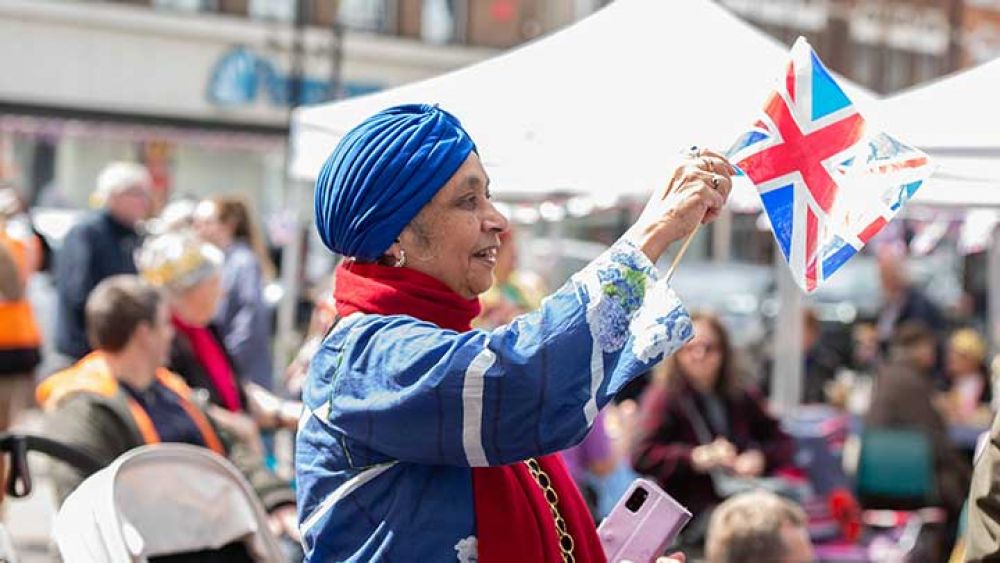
166,502
19,482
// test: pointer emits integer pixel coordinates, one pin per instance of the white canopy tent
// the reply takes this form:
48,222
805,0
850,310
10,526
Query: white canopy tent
596,109
955,121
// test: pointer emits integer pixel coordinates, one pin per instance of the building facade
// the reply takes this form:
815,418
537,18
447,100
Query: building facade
980,31
886,45
200,90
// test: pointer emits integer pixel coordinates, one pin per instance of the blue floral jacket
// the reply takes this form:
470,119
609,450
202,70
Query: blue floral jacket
398,409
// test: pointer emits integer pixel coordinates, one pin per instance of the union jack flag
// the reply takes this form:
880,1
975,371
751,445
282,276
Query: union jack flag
827,180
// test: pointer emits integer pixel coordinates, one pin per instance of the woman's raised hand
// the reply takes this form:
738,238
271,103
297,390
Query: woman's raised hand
695,194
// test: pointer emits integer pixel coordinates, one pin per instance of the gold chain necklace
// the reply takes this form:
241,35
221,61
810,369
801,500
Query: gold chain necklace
551,497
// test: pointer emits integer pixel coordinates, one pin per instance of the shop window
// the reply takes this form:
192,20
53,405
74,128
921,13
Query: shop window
503,23
365,15
184,5
438,21
322,13
864,64
899,72
272,10
928,67
234,7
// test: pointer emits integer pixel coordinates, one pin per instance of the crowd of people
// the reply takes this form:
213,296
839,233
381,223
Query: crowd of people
161,335
431,397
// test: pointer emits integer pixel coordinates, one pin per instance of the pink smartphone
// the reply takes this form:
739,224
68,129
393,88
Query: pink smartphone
643,523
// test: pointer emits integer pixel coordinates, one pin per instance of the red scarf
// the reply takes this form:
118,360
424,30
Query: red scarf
372,288
513,520
209,353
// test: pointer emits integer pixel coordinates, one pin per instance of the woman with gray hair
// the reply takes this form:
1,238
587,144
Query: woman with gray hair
758,526
189,272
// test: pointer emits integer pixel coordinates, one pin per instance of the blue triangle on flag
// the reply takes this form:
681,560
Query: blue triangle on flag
835,255
912,188
753,137
745,140
779,204
827,97
904,193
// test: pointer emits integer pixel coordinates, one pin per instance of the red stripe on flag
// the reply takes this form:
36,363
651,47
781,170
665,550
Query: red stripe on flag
790,80
802,153
872,229
896,166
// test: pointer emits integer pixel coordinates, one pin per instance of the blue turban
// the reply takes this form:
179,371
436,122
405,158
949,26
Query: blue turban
382,173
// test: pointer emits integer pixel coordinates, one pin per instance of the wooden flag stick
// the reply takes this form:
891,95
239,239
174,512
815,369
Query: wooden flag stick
680,253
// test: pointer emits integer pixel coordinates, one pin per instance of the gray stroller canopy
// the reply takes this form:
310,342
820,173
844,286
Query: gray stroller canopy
160,500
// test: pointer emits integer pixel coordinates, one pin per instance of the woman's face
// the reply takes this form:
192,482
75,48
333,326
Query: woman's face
196,306
455,238
701,358
209,227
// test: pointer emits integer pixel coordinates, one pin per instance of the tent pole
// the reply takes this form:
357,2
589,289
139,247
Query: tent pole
786,375
722,236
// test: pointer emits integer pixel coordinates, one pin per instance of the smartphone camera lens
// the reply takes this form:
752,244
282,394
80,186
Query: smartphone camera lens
636,499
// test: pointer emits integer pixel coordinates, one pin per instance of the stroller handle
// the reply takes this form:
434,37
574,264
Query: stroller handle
18,445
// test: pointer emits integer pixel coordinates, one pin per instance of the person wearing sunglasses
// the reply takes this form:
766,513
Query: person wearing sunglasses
700,422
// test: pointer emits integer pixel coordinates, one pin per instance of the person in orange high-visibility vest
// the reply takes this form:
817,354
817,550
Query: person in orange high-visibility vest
120,397
20,339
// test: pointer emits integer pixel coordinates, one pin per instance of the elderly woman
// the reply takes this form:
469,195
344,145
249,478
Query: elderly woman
188,270
424,440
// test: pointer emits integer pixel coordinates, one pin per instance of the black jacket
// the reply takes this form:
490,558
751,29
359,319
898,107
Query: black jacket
94,249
